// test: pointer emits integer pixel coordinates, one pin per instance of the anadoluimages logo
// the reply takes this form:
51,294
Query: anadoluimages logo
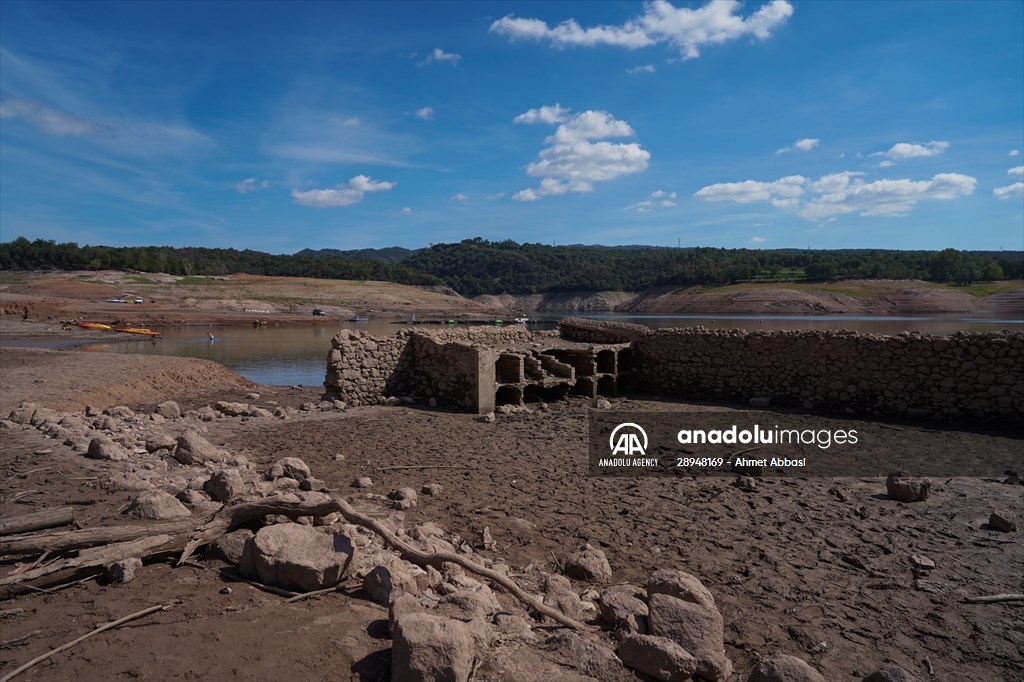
626,440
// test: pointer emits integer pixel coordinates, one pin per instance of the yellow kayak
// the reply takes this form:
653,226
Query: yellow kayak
138,330
94,325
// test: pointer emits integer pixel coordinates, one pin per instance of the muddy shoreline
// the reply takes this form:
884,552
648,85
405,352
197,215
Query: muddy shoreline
818,568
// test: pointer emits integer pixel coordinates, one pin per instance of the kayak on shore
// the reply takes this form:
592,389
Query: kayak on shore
95,325
137,330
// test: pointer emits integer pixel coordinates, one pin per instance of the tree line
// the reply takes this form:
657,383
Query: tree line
477,266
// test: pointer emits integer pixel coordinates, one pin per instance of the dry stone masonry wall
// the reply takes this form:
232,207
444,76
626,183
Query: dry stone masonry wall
972,376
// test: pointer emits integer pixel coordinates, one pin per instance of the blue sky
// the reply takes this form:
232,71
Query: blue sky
281,126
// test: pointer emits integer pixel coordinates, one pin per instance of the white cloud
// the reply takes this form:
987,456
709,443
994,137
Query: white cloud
406,211
546,114
573,161
48,120
841,193
342,195
914,150
757,240
783,193
1017,170
426,113
805,145
658,198
346,122
1009,191
646,68
250,185
493,197
1014,152
845,193
886,164
460,197
687,30
439,55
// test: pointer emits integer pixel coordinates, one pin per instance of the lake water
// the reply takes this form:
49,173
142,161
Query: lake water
288,355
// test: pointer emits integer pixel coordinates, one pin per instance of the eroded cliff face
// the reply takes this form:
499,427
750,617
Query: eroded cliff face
855,297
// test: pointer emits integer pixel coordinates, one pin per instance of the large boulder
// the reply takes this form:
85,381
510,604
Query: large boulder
623,610
891,673
231,409
288,467
168,409
428,648
193,449
657,657
903,487
159,440
224,485
296,557
229,547
784,668
680,585
590,564
696,628
385,583
102,447
156,505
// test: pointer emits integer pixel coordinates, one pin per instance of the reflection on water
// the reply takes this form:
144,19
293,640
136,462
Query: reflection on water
284,356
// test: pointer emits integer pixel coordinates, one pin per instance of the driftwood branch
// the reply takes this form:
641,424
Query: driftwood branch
56,542
994,599
26,523
102,628
230,517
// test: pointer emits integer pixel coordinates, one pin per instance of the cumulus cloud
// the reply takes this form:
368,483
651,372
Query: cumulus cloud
1012,190
349,122
250,185
757,240
342,195
783,193
426,113
406,211
841,193
48,120
658,198
460,197
805,145
913,150
1014,152
1009,191
439,55
687,30
495,196
545,114
578,155
646,68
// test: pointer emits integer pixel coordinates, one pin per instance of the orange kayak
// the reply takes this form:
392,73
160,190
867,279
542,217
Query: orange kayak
94,325
138,330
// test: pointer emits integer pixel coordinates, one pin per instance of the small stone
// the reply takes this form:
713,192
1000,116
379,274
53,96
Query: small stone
156,505
403,494
428,647
193,449
225,590
922,562
589,564
745,483
229,547
602,404
124,571
891,673
784,668
432,402
486,418
252,396
680,585
102,447
362,482
903,487
432,489
486,539
1002,521
624,611
385,583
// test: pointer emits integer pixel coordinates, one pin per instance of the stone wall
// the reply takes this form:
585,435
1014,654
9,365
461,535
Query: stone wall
365,370
493,337
458,373
967,376
600,331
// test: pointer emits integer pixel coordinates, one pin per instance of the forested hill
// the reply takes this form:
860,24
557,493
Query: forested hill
391,254
477,266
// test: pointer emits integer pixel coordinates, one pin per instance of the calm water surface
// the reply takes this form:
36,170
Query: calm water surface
284,356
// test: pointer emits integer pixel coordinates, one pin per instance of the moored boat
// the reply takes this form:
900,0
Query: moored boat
94,325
